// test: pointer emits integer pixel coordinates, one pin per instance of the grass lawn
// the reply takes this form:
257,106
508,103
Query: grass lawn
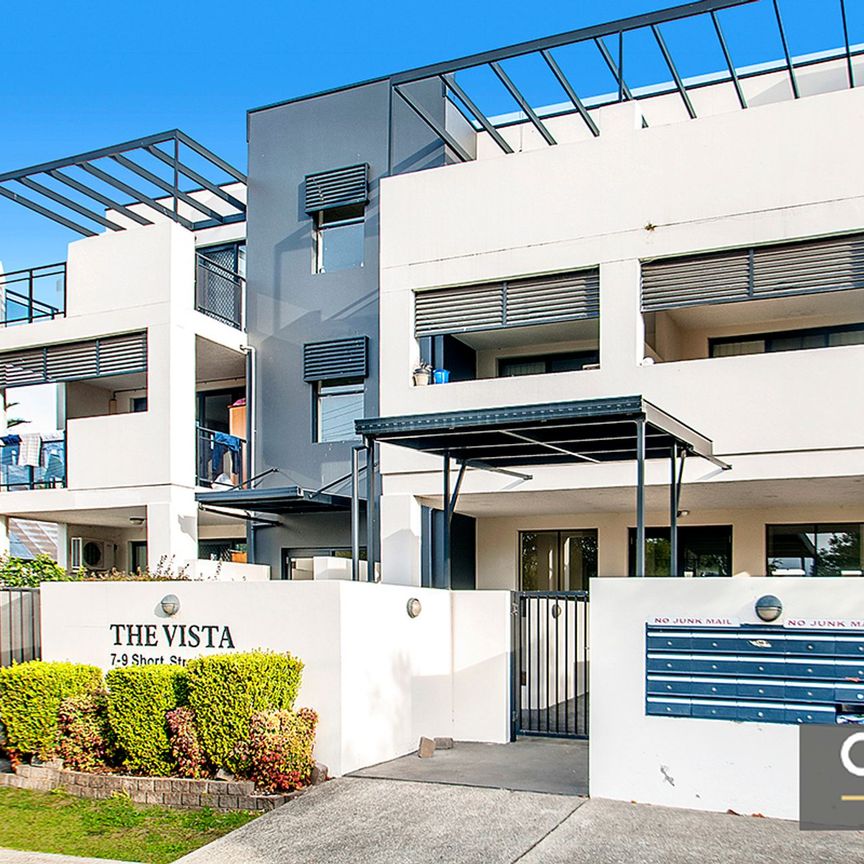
112,828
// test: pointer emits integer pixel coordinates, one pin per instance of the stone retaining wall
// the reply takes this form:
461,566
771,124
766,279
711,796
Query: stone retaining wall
167,791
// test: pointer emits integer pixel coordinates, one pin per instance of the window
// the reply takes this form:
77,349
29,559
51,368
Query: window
222,550
789,340
339,238
533,365
814,550
703,550
340,403
138,404
137,555
557,560
297,564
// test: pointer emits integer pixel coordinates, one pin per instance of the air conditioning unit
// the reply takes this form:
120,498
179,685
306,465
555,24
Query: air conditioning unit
91,554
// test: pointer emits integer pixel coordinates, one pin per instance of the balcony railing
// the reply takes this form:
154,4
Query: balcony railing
221,458
36,294
219,292
32,461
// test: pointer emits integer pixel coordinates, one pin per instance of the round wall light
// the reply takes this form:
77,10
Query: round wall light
170,604
768,607
413,607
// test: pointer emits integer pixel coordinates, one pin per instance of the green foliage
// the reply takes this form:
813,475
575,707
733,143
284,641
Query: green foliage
30,698
225,690
20,573
185,743
87,742
164,572
278,753
139,697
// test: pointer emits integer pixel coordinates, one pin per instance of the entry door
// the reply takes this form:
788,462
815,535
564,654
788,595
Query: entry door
557,560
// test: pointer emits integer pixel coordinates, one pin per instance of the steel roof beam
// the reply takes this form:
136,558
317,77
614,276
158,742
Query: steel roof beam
623,89
514,91
482,119
440,131
140,197
211,157
568,89
553,447
44,211
195,177
98,196
68,203
849,69
733,74
792,79
661,42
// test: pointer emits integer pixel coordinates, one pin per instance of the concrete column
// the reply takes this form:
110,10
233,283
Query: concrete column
4,535
63,544
400,539
622,330
748,544
172,530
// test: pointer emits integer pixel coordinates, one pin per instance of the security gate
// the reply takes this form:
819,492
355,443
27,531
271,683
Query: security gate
20,635
550,686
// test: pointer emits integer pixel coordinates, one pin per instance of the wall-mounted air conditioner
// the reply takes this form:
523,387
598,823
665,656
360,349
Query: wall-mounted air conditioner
91,554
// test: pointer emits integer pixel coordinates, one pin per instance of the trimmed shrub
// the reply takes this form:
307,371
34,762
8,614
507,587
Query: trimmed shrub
19,572
139,697
225,690
278,753
186,748
30,697
87,741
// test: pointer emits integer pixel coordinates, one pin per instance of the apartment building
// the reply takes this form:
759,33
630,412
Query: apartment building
139,339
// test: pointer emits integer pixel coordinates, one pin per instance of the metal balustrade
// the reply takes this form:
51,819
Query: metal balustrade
219,292
34,294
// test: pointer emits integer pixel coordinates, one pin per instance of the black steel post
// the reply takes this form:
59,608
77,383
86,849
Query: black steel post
445,543
355,512
371,511
640,497
673,513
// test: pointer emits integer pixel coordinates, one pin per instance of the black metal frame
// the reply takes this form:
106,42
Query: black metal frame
21,649
120,155
531,608
36,309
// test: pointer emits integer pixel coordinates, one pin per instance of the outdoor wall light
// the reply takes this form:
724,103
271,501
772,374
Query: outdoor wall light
414,608
170,604
768,607
137,520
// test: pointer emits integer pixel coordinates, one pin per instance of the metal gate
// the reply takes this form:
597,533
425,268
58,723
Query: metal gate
20,634
550,686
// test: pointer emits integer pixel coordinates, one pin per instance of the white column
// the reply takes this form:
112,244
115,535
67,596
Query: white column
622,330
400,539
63,544
4,535
172,530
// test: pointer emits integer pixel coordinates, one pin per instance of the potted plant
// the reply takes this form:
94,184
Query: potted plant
422,374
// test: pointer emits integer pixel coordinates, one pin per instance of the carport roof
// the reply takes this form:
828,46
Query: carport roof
590,430
281,501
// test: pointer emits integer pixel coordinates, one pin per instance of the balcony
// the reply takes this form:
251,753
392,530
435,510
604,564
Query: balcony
219,288
221,458
36,294
32,460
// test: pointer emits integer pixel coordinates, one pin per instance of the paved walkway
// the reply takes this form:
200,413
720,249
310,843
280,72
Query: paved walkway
11,856
556,766
357,820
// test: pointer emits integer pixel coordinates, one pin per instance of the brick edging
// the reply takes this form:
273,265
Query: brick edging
167,791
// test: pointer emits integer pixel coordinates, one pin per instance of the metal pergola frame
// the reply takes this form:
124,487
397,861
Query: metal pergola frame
57,206
627,428
594,35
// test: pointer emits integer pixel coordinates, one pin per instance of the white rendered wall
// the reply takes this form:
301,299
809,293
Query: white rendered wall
713,764
378,678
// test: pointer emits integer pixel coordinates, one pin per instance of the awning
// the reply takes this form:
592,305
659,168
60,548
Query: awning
282,501
590,430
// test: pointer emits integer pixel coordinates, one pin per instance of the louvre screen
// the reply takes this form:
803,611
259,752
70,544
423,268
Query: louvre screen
337,188
71,361
517,303
831,264
338,358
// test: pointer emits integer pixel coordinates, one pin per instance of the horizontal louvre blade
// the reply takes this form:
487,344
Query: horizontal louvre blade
569,297
458,310
338,358
337,188
695,280
71,361
834,264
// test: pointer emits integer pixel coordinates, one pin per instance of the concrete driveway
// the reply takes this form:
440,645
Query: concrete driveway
356,820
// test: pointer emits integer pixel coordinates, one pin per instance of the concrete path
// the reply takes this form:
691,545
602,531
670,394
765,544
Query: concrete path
556,766
12,856
357,820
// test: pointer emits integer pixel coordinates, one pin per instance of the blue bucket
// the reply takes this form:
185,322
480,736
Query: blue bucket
440,376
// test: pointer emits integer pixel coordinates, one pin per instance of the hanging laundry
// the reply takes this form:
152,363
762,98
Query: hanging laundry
224,443
31,449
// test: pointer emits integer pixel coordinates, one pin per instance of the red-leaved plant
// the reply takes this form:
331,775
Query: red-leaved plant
278,753
86,740
185,744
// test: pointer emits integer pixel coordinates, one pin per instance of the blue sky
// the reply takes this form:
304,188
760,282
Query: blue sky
80,76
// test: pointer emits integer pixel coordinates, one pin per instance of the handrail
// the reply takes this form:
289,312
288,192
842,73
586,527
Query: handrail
26,282
201,428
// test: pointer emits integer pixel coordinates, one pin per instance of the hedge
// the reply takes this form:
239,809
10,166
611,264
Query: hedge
225,690
139,697
30,698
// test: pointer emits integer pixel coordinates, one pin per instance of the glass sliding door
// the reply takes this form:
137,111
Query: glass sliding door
557,560
815,550
703,550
